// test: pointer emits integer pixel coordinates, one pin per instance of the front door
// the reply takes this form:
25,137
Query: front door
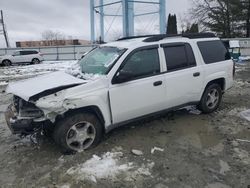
143,92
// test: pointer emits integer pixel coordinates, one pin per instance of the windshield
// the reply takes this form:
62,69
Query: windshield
100,60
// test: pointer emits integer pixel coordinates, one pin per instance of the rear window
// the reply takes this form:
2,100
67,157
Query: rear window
213,51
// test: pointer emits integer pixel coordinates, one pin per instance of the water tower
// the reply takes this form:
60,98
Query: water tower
128,15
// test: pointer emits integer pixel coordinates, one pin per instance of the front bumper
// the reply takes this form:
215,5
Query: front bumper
20,125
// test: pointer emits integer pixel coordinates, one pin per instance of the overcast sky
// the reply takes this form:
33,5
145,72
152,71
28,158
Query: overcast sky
27,19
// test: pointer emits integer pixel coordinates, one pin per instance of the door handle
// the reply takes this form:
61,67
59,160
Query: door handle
158,83
196,74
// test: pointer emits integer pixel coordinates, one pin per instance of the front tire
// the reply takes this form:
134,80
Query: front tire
211,99
78,132
6,62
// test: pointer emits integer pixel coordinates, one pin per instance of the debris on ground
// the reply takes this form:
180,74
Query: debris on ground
156,149
137,152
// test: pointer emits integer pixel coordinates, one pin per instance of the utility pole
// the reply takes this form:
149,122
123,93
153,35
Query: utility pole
3,30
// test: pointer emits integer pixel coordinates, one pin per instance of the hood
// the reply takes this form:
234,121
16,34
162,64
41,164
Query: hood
40,84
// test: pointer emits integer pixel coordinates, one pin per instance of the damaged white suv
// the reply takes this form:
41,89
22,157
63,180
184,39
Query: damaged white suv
121,82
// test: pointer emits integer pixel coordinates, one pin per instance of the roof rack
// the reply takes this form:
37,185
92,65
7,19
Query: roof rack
134,37
158,37
186,35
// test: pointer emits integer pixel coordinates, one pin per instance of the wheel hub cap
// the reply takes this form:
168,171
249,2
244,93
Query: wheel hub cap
80,136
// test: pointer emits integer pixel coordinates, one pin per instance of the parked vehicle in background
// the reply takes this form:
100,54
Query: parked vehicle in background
21,56
132,78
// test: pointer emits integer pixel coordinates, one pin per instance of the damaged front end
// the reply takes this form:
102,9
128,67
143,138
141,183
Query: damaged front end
24,117
29,112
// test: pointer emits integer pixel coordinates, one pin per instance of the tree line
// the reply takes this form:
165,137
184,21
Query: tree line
226,18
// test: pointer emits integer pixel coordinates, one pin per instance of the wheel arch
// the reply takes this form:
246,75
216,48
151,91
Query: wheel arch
89,109
6,60
220,81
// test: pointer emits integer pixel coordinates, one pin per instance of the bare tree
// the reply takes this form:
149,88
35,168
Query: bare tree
53,38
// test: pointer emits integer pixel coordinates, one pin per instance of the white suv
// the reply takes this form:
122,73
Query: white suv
120,82
21,56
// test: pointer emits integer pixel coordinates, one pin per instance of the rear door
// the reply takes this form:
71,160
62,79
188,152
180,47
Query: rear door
145,92
184,79
27,56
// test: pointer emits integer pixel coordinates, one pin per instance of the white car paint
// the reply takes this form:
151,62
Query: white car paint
17,57
30,87
122,102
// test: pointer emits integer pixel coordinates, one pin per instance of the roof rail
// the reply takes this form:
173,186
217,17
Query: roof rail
134,37
158,37
155,38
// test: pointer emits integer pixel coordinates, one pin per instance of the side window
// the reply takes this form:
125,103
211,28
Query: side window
16,53
25,52
179,57
143,63
213,51
33,52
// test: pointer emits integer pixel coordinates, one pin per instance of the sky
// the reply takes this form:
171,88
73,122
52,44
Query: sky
27,19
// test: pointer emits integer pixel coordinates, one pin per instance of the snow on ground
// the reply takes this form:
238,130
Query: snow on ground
244,58
109,166
27,71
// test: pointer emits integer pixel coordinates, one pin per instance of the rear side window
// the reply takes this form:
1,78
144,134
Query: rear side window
28,52
213,51
179,56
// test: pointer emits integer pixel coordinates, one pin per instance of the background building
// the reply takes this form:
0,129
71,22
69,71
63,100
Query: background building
41,43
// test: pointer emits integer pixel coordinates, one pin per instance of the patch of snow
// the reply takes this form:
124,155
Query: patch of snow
242,156
193,110
75,70
244,58
156,149
224,167
27,71
65,186
3,83
245,114
108,166
137,152
236,111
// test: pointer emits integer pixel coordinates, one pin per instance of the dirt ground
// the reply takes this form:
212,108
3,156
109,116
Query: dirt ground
193,150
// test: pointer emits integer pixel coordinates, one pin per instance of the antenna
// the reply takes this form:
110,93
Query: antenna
3,30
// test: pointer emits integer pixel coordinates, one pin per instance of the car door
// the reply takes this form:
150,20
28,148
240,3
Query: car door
17,57
138,88
184,79
26,56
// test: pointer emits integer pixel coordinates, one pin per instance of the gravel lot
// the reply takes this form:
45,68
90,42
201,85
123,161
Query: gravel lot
191,150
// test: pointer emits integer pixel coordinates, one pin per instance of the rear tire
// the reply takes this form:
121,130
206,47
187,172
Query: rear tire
6,62
35,61
211,99
78,132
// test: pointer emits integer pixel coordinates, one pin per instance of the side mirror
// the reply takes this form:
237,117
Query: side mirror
123,76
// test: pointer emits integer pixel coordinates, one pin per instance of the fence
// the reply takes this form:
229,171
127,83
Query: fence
51,53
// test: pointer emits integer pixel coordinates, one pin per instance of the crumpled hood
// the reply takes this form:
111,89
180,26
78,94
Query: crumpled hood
33,86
